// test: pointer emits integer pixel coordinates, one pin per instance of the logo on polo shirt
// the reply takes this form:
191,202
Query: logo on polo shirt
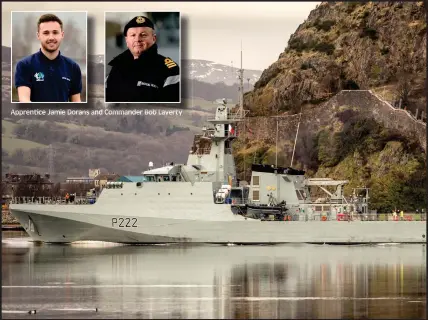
39,76
65,78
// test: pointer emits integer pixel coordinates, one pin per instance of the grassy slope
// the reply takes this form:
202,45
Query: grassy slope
10,143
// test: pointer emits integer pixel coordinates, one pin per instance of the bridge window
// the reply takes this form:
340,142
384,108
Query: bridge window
299,194
256,180
256,195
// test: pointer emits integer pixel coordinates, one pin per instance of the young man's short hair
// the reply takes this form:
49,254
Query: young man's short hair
48,18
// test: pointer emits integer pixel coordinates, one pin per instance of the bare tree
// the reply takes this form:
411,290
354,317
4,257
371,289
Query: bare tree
403,87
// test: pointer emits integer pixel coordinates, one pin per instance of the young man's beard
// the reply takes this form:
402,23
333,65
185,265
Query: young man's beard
46,47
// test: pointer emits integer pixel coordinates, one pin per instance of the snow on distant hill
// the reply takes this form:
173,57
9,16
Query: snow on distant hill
212,72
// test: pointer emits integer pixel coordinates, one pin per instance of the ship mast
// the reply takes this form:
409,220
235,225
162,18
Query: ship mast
241,89
241,105
276,137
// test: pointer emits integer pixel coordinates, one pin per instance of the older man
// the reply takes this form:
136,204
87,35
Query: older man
141,74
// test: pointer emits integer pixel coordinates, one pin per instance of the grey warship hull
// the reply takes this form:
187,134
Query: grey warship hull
68,226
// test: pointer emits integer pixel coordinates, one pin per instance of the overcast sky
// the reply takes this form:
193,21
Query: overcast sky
214,29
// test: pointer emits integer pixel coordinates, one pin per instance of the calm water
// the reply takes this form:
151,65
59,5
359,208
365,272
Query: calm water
285,281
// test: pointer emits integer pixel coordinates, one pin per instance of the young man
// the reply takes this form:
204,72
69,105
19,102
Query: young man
140,74
48,76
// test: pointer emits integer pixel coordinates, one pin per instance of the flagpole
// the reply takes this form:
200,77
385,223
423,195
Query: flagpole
276,139
297,133
241,110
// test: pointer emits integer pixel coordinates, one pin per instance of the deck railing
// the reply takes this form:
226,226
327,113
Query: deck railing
370,217
52,200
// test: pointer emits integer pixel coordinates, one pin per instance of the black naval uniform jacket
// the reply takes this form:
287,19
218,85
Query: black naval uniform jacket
150,78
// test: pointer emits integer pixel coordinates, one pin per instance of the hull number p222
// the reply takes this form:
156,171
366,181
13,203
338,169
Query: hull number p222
124,222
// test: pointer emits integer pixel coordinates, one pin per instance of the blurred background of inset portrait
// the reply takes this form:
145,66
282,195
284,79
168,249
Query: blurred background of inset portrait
74,44
167,29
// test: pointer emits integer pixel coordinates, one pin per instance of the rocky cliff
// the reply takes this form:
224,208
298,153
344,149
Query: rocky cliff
333,65
348,45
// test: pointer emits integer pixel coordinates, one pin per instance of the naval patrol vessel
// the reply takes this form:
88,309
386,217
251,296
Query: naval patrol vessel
202,201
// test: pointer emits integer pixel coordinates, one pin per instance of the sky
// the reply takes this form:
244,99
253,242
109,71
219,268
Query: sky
214,30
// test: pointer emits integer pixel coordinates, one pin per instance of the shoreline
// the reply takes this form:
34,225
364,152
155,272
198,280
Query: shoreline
12,227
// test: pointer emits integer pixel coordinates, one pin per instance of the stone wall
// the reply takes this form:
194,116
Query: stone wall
264,128
382,112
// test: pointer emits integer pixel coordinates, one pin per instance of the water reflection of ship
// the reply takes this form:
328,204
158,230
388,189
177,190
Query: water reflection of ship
246,282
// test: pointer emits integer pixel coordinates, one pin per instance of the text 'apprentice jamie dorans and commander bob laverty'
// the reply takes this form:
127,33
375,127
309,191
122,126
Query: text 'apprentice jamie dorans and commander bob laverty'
99,112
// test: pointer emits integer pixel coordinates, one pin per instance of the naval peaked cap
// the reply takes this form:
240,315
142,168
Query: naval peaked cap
138,21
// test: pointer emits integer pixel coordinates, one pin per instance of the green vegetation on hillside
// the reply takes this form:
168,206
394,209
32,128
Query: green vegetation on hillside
367,154
357,149
12,144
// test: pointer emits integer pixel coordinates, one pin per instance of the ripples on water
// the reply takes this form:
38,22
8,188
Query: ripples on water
101,280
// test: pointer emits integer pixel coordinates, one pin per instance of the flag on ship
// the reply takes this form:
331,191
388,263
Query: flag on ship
231,130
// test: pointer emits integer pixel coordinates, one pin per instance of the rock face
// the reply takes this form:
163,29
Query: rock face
332,71
353,136
382,112
347,46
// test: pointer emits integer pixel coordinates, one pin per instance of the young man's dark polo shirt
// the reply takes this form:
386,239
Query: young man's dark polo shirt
49,80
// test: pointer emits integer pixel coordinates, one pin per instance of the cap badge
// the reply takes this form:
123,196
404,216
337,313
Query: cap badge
140,20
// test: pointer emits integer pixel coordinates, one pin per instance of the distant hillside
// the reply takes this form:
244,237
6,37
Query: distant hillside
121,144
5,54
212,72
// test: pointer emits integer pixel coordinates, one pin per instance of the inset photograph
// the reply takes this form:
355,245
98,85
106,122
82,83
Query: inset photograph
142,57
49,57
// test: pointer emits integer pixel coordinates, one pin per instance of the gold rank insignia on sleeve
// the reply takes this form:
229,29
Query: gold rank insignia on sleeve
169,63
